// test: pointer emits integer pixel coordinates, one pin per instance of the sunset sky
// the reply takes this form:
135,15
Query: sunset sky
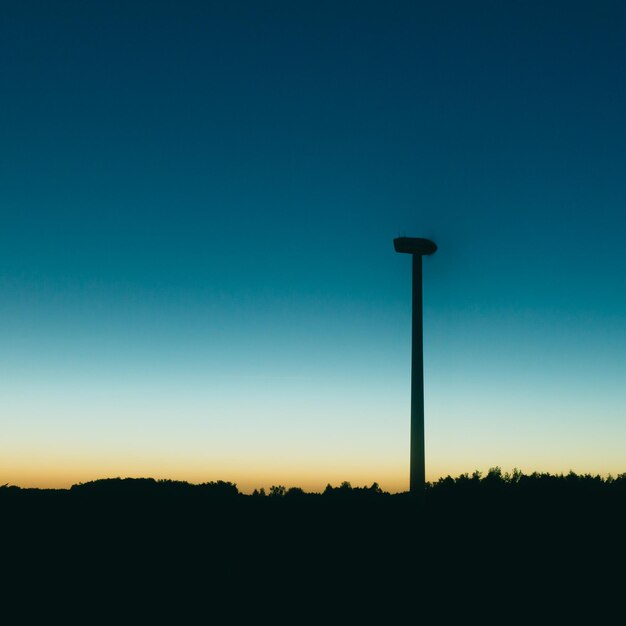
197,208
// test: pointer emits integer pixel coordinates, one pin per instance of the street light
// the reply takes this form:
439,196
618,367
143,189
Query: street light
418,248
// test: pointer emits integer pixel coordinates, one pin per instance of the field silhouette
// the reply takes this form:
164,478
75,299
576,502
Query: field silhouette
515,507
510,541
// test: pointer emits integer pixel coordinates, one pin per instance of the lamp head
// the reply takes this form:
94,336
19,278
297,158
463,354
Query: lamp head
414,245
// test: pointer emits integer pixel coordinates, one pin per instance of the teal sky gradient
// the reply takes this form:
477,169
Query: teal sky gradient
197,207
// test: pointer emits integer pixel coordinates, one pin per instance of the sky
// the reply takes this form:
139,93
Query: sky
197,208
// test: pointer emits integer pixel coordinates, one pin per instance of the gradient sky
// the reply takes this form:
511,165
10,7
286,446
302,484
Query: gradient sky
197,207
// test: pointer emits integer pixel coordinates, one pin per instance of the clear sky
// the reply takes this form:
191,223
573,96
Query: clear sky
197,207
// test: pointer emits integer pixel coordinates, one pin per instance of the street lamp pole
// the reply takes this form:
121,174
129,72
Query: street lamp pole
417,247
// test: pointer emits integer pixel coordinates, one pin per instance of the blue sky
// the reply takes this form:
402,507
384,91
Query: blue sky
197,207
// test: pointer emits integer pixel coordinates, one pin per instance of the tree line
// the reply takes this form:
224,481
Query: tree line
494,481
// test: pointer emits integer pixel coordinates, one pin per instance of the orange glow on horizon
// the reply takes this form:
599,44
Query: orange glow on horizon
64,476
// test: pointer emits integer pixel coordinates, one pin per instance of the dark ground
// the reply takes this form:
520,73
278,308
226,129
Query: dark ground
498,547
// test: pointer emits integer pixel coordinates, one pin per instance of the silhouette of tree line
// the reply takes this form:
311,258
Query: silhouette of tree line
494,481
474,527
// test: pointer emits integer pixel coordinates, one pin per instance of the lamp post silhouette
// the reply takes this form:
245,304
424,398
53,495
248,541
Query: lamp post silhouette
417,248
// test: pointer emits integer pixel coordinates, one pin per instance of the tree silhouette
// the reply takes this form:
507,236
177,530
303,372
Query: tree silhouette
277,491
